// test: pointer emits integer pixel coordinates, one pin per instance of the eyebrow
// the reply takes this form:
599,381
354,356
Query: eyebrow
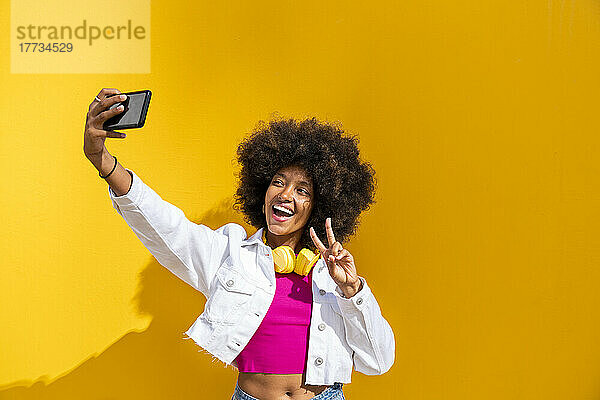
281,174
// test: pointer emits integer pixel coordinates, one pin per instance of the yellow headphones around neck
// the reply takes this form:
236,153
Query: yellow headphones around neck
286,261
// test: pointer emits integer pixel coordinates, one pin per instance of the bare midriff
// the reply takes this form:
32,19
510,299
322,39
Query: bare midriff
277,386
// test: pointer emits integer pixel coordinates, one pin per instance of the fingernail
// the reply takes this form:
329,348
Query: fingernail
120,108
123,97
123,135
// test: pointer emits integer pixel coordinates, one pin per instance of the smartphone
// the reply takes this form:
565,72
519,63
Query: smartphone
134,114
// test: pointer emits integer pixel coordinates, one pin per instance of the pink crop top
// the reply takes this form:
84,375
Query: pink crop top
280,344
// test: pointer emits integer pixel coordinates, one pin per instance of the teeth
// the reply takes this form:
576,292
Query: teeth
285,210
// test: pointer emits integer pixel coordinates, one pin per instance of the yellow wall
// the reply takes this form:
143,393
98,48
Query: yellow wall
482,249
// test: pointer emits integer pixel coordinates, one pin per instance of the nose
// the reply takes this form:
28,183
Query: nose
286,193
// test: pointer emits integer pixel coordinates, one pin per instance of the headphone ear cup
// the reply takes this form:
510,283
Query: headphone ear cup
305,261
284,259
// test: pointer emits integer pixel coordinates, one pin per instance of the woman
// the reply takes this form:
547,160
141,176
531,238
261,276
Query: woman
287,310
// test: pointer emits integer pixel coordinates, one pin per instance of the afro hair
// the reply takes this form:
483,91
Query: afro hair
343,185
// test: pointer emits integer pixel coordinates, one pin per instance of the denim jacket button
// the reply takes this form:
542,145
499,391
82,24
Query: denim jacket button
318,361
321,327
359,301
321,292
230,283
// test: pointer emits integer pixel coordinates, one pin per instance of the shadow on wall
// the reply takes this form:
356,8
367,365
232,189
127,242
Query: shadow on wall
156,363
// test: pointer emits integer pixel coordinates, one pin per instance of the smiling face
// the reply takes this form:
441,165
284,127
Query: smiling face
289,201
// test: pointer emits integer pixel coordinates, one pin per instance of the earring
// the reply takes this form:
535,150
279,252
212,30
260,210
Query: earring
263,209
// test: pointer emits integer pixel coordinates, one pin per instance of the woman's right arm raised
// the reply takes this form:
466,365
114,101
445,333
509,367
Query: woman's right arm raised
94,137
182,246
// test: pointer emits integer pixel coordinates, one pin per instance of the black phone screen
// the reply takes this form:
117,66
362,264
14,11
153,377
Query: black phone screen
134,114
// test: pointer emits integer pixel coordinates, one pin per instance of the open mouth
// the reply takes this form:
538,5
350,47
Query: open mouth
281,213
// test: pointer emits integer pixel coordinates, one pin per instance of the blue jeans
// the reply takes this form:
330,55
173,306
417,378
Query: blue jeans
331,393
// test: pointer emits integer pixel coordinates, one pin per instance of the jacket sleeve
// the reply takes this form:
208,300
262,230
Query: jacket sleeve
367,332
178,244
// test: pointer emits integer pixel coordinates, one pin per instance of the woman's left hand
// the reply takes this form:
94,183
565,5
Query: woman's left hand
339,261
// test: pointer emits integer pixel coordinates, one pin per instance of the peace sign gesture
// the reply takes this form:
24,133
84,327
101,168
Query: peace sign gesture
339,261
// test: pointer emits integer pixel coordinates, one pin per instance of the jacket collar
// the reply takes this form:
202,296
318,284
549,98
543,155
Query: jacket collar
320,275
256,238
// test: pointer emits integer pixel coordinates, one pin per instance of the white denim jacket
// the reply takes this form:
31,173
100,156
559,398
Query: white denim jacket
236,275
